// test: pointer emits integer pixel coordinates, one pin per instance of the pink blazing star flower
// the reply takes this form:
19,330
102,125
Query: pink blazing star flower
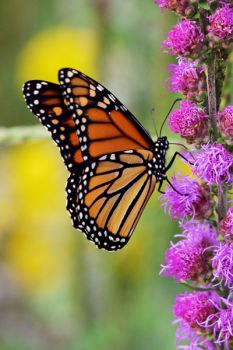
214,164
185,261
225,124
181,7
193,311
199,232
221,24
194,308
185,39
223,264
188,79
221,323
193,200
226,225
189,259
189,122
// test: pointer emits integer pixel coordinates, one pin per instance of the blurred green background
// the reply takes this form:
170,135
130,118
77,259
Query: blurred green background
57,291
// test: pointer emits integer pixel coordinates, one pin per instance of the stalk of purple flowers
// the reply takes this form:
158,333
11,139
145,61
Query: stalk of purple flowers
202,255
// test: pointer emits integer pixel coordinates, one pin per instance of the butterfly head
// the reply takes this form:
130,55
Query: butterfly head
161,144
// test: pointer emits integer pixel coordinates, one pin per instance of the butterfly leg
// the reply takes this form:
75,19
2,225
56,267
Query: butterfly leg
159,188
173,159
169,182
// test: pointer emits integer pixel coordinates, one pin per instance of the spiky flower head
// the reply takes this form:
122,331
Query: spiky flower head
221,25
187,198
189,122
194,308
181,7
188,79
195,339
189,259
225,123
221,323
203,232
226,225
185,261
185,39
223,264
192,312
214,164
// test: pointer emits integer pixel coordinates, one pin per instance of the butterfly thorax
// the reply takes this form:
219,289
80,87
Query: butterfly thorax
160,148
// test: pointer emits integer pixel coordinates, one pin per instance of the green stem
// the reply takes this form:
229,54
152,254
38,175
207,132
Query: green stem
195,287
18,134
211,90
212,108
222,202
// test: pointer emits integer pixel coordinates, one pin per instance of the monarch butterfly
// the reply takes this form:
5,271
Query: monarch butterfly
113,162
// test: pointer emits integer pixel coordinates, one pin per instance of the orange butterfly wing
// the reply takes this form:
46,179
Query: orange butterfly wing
104,124
106,149
108,198
45,100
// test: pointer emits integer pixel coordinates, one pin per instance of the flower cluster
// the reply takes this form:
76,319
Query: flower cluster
202,316
221,24
181,7
189,259
201,256
226,224
188,79
214,164
190,199
190,122
225,124
185,39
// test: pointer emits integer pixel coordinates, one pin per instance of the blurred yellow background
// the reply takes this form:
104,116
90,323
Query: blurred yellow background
57,291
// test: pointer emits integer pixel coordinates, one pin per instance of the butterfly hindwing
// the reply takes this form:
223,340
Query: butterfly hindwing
104,124
108,198
46,101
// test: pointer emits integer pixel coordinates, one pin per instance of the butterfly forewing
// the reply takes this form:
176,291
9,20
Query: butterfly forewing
46,101
107,200
104,123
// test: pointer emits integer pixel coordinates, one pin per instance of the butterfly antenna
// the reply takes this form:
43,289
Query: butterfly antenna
178,144
178,99
153,121
186,148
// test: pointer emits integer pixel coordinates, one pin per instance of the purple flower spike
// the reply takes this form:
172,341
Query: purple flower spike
222,324
226,225
189,259
185,261
196,204
193,311
194,308
188,79
185,39
189,122
223,264
199,232
196,340
221,24
225,124
214,164
181,7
